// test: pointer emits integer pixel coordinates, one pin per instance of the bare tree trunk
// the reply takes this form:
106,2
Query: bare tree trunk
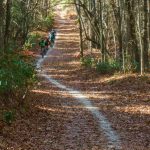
78,9
140,40
7,25
1,25
101,31
145,38
133,48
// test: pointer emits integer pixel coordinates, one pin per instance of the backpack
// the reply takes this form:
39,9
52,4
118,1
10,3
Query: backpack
47,42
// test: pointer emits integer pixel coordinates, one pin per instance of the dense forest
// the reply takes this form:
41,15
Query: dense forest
100,58
19,18
17,22
119,29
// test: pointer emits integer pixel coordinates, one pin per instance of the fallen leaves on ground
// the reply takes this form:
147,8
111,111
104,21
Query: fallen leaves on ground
57,122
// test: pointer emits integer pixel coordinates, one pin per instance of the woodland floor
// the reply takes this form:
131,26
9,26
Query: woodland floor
58,122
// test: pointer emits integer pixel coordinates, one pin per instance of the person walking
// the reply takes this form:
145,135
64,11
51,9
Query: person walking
42,45
52,36
47,43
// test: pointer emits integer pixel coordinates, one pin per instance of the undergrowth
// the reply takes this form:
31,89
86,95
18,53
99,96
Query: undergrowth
101,67
17,76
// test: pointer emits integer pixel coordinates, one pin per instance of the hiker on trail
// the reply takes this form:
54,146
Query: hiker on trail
47,43
42,45
52,35
49,36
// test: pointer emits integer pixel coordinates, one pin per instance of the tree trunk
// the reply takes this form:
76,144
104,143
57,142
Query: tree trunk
145,38
133,43
1,25
7,25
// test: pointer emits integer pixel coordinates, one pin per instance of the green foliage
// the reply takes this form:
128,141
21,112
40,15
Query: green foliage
15,73
87,62
27,16
31,41
102,67
47,22
115,65
27,45
136,66
131,65
108,67
8,117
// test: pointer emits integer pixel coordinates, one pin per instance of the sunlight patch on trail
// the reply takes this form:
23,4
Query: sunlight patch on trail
104,124
102,120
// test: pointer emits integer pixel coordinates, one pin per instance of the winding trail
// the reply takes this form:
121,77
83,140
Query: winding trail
73,132
75,108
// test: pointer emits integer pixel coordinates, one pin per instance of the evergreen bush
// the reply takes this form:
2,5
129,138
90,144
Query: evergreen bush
15,73
108,67
87,62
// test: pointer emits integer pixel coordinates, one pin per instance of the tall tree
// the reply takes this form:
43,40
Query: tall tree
7,23
146,30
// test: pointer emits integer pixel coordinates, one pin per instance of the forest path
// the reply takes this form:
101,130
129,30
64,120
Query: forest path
70,105
61,118
79,132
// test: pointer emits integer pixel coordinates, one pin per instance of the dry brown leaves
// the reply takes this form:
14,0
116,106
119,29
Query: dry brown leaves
56,122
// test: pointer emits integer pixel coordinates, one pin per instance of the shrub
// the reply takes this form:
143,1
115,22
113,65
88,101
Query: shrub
27,45
115,65
31,41
103,67
108,67
132,66
46,22
8,117
87,61
15,73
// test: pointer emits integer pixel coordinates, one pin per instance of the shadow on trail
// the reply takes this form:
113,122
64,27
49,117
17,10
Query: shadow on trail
56,106
124,105
122,101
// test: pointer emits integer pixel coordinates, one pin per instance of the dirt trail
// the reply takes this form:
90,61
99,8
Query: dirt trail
58,121
63,65
84,129
81,129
